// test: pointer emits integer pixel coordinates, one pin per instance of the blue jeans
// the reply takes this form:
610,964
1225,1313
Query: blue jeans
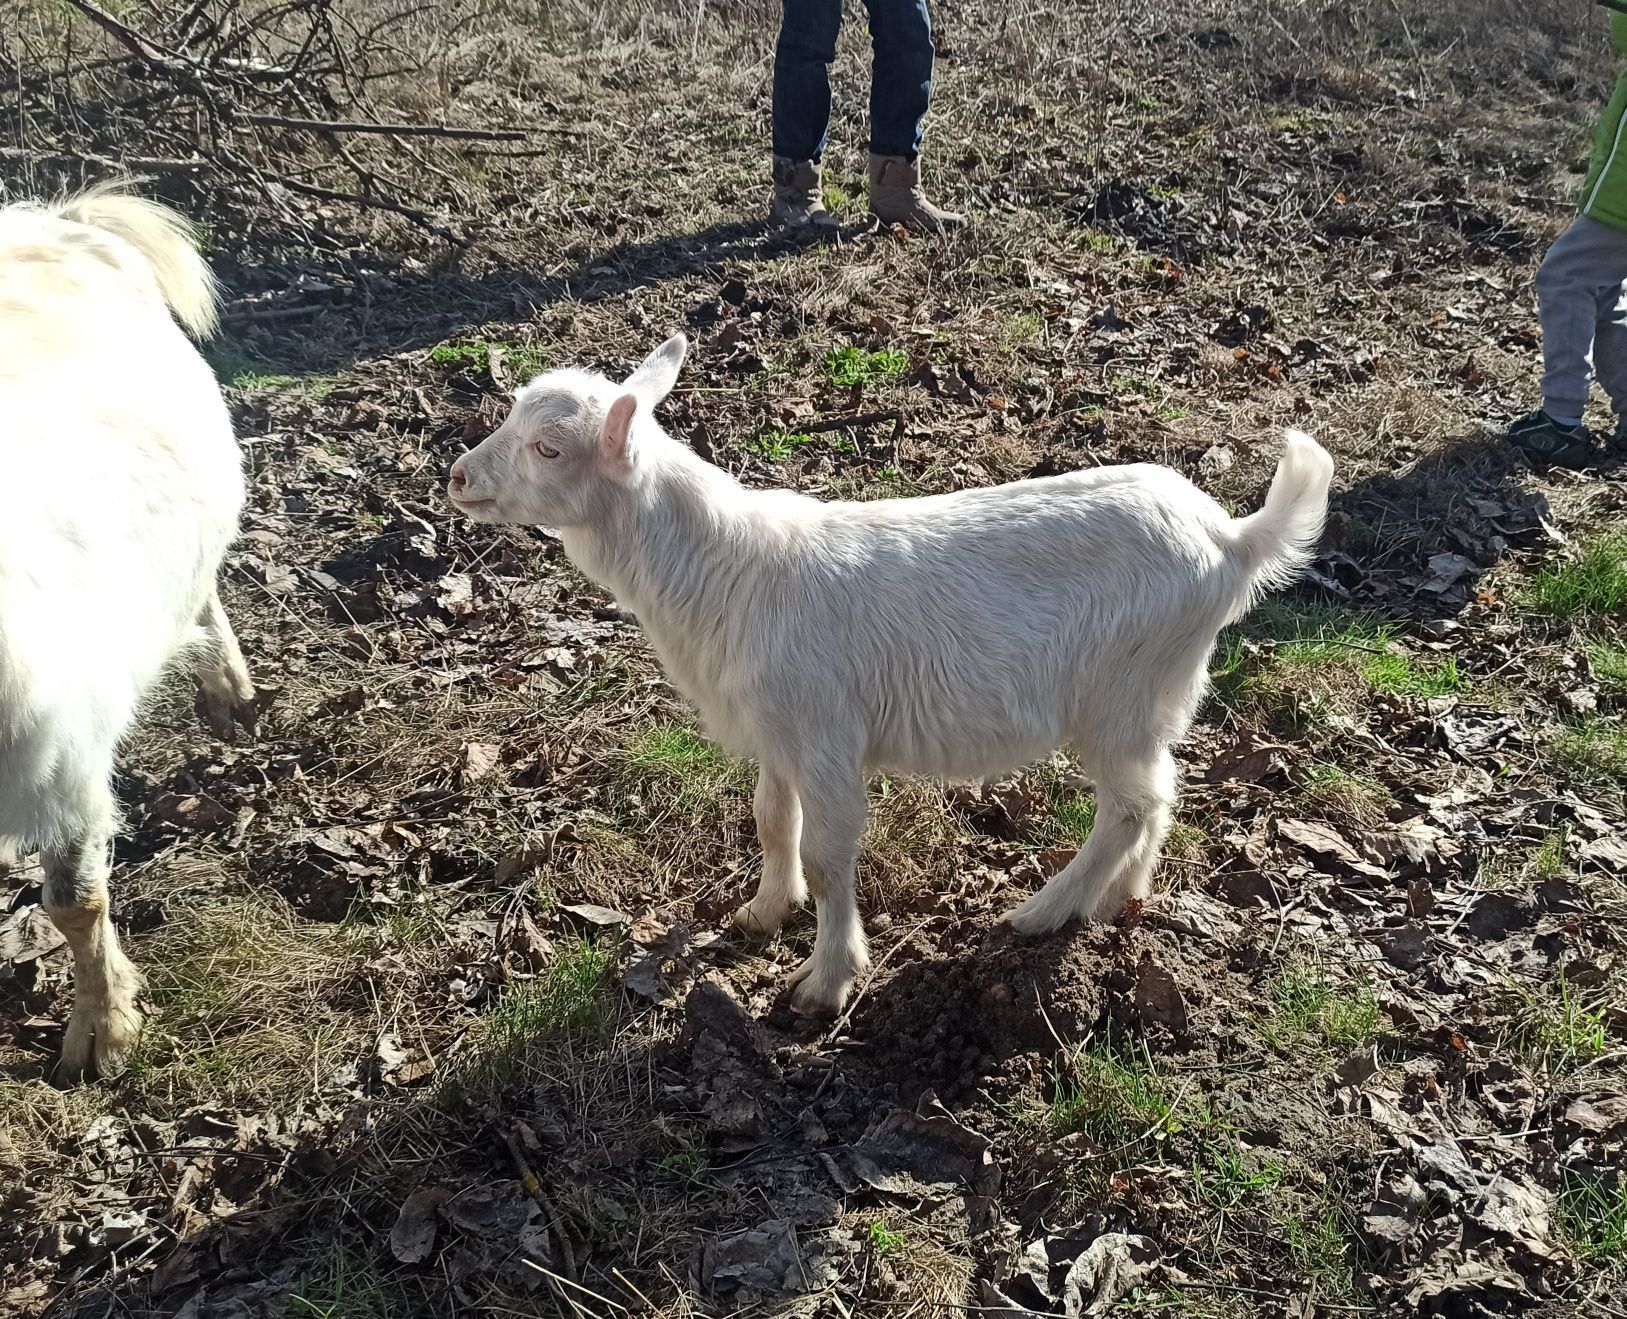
900,76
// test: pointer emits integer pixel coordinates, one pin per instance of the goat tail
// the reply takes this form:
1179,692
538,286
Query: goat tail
1278,541
166,240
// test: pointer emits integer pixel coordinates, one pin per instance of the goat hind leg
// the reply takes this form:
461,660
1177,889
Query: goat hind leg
225,691
779,829
1132,814
105,1025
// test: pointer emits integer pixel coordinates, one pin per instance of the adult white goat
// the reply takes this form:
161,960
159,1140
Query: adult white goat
958,635
120,489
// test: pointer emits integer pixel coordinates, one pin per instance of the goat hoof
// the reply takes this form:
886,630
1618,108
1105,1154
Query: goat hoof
99,1043
1037,916
755,923
818,992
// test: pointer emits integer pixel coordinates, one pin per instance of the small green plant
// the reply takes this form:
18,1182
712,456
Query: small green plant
1550,860
524,360
1098,242
1593,1216
1145,386
1592,585
689,1162
1594,749
848,365
777,445
1305,1003
882,1240
236,368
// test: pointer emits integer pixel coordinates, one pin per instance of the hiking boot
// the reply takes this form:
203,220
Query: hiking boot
1542,439
896,196
797,198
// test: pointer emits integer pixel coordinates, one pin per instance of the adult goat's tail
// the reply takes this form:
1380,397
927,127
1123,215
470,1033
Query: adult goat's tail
167,241
1278,541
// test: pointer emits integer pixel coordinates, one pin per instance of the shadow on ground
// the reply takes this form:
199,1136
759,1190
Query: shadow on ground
290,319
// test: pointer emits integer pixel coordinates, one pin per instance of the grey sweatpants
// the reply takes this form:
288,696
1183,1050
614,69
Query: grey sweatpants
1583,308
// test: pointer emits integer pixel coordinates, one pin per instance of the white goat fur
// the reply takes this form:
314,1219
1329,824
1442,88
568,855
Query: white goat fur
120,489
959,635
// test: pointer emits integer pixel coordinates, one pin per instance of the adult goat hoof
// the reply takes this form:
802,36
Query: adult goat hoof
1036,916
99,1044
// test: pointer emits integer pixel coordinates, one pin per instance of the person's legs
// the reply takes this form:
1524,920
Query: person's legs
1610,355
900,76
1579,279
900,90
802,60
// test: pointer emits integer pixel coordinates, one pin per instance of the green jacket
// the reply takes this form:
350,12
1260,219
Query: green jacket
1604,192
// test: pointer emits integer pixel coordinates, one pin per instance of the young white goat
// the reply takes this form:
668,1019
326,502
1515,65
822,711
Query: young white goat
120,488
958,635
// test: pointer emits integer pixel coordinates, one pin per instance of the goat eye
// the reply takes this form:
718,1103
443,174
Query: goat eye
546,452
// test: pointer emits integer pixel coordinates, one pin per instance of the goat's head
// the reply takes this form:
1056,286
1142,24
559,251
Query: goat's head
567,444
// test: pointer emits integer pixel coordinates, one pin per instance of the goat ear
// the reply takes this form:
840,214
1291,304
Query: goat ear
616,443
658,372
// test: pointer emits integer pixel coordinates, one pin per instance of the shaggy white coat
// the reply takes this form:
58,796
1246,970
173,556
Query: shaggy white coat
120,489
959,635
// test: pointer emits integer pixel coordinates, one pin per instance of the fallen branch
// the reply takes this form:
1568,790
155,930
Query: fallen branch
857,419
391,130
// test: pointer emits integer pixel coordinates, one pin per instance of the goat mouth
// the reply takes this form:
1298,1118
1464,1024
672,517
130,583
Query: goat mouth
466,505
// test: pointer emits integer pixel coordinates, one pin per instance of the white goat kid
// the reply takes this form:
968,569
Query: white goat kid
120,489
958,635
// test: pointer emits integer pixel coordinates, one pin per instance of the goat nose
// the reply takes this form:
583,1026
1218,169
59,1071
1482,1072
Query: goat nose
459,478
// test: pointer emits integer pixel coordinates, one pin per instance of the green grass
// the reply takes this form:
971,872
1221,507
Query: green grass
1593,1217
1561,1031
1354,797
1318,647
1113,1093
683,756
524,360
1609,668
236,368
1552,856
1591,585
567,1002
1401,675
1306,1004
1318,1247
346,1284
1593,749
848,366
1074,812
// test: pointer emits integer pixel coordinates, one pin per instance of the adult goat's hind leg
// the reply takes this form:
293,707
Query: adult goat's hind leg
225,691
1134,796
833,809
779,829
105,1024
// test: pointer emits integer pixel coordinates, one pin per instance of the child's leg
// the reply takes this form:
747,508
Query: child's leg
1610,349
1586,266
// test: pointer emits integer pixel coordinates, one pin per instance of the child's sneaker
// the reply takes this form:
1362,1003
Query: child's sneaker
1542,439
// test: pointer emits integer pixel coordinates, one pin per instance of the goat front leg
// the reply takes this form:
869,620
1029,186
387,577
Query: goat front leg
225,692
779,829
105,1025
833,810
